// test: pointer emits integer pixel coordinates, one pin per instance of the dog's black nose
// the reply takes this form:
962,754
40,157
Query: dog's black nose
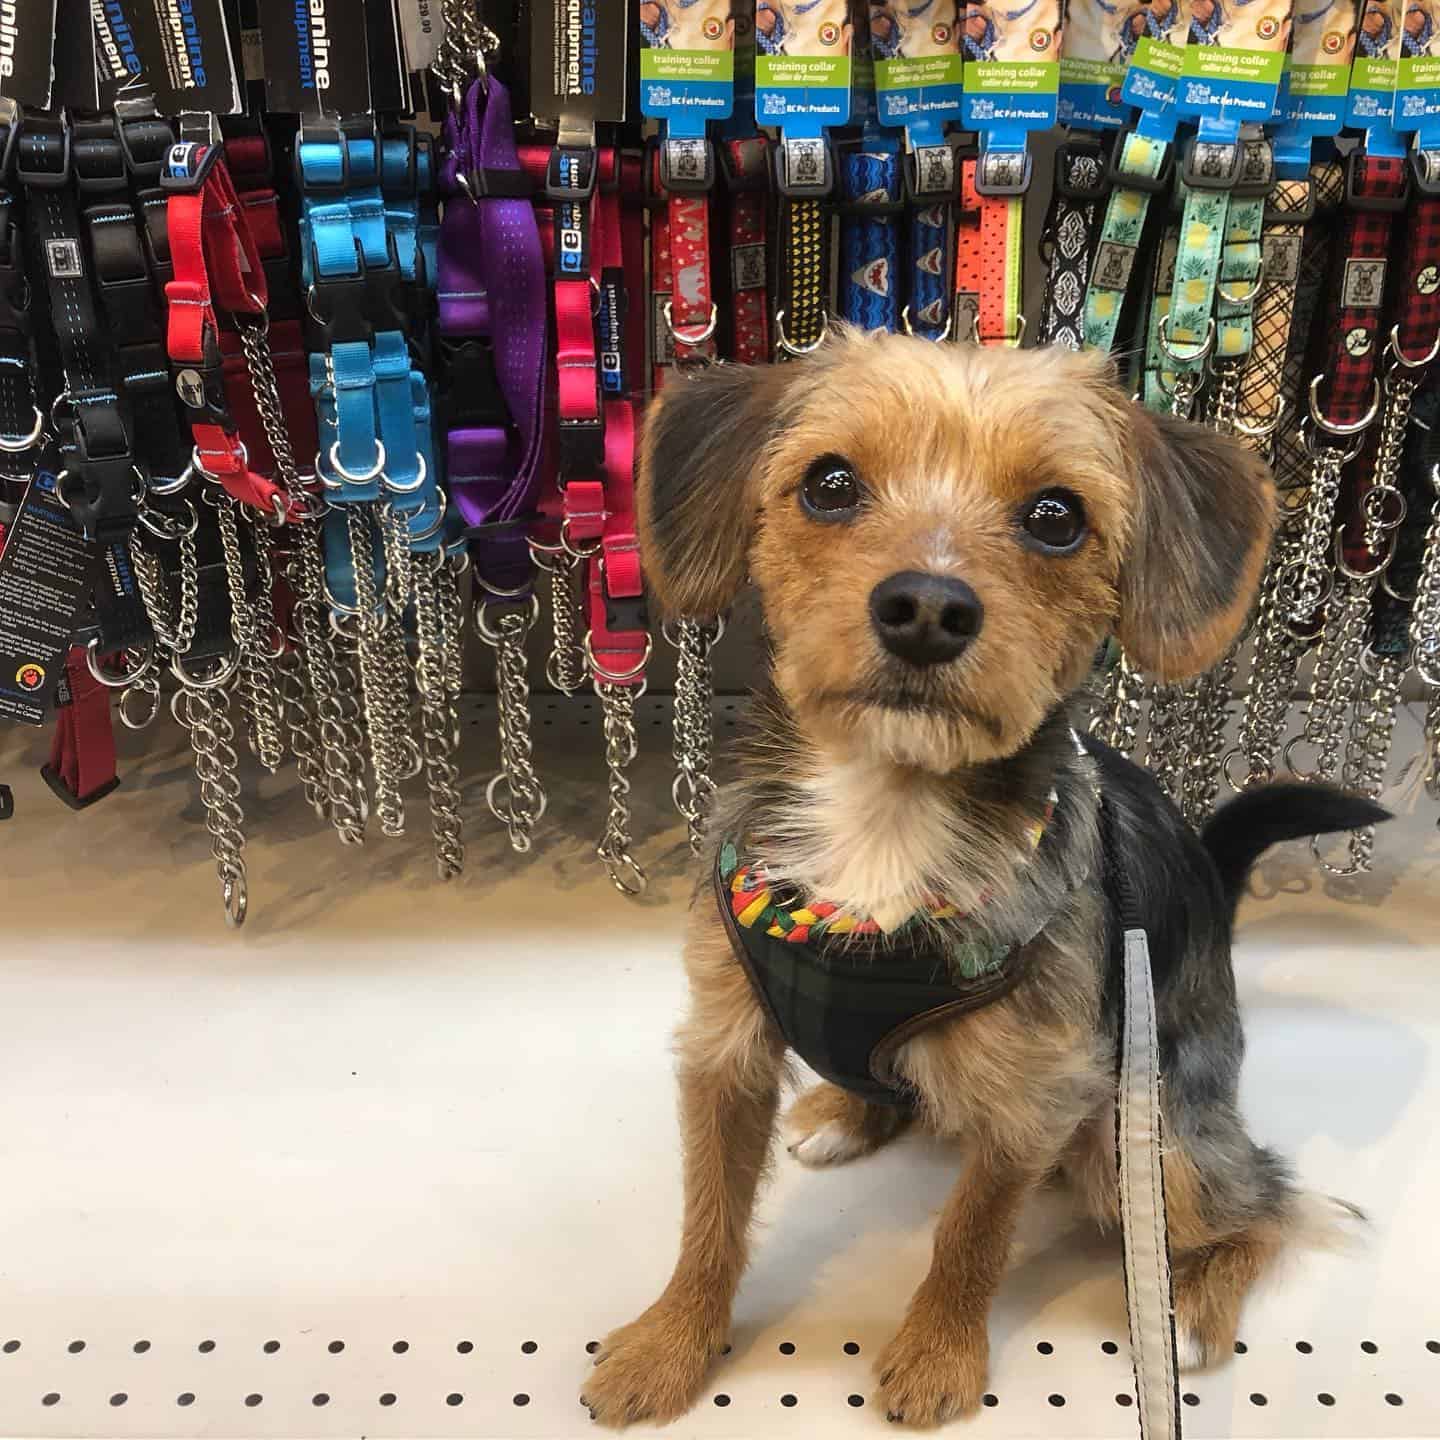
925,619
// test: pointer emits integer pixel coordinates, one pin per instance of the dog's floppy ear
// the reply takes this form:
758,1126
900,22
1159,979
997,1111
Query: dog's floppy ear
1204,512
695,487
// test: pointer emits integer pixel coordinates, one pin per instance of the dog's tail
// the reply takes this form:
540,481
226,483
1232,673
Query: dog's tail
1240,832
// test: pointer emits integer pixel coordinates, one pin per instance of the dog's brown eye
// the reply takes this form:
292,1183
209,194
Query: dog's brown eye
1055,520
830,490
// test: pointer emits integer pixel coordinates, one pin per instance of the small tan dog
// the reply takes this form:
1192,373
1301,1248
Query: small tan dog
941,537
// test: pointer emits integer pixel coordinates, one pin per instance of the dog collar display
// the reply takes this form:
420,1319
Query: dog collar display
988,263
1072,233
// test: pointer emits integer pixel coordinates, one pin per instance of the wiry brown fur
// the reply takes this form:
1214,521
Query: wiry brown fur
848,794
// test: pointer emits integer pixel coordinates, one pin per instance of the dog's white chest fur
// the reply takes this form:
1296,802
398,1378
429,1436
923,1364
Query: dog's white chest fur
875,838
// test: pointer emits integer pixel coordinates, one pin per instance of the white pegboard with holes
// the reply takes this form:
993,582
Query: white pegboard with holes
388,1160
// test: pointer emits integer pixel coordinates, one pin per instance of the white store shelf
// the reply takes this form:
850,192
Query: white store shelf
390,1111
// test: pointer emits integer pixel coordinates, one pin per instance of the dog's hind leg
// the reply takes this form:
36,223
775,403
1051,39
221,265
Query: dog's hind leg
828,1126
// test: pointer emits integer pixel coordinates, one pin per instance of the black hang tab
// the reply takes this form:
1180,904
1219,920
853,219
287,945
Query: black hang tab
317,60
76,84
27,30
7,803
804,167
187,165
578,52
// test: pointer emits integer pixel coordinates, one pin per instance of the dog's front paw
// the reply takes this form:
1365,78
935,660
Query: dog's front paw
651,1369
930,1373
828,1126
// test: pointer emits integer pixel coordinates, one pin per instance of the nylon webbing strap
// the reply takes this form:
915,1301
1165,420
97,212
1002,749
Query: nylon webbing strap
747,168
870,280
100,483
1139,174
1261,395
685,168
1072,233
988,264
22,422
804,177
932,184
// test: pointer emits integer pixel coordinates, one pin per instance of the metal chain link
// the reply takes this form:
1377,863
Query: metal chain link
1305,581
437,731
693,789
205,713
515,795
565,667
1425,617
621,746
1170,707
399,567
1210,716
464,49
304,727
374,675
1337,671
175,635
1117,717
1222,404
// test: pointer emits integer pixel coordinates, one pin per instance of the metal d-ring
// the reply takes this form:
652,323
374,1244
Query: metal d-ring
411,486
1262,432
1242,786
493,637
625,871
175,486
1249,295
613,677
796,352
14,444
1335,427
944,335
323,478
116,682
1162,337
1400,357
585,552
333,454
1287,750
221,677
141,722
1343,871
176,530
706,330
672,636
499,592
199,465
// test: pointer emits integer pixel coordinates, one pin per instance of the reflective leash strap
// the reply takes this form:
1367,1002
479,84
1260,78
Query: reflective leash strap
352,274
618,643
216,265
1369,542
988,255
1277,652
493,326
1140,1157
1343,399
805,179
746,167
267,387
1071,237
870,210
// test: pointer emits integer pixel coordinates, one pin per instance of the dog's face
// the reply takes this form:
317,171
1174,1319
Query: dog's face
943,535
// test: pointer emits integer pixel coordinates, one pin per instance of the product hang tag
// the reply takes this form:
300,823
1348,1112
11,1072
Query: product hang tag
1417,82
1155,34
47,570
1012,69
742,112
27,51
317,61
919,68
75,83
178,50
1316,81
687,64
803,67
1230,73
1098,43
1373,76
577,61
422,26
